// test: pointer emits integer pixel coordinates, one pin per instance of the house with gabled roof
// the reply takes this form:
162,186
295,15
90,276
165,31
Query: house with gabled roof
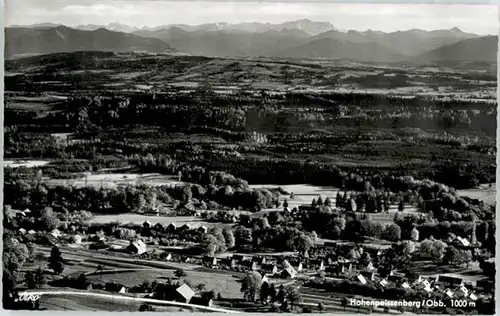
366,266
265,279
300,267
449,281
362,279
137,247
98,236
50,240
185,227
171,228
345,262
317,264
464,290
202,229
463,241
396,277
383,282
424,285
184,293
251,265
269,269
230,262
368,275
289,273
259,259
159,227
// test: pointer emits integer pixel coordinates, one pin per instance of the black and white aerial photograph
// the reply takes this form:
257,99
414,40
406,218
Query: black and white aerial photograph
249,157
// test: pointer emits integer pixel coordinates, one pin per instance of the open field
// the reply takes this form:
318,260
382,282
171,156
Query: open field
373,244
115,179
483,193
113,259
130,272
76,303
25,163
222,282
107,297
39,104
472,273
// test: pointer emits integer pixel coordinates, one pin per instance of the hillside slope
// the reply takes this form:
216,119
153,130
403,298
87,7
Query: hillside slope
482,49
65,39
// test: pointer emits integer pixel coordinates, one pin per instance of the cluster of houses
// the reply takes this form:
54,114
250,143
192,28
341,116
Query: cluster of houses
99,238
363,273
173,228
96,241
268,266
51,238
450,286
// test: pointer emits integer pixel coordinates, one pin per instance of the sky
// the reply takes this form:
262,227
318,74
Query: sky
479,19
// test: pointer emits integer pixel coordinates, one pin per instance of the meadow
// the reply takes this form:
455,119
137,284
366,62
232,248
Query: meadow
223,283
96,304
116,179
484,192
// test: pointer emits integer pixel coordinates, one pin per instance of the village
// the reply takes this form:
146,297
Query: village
345,269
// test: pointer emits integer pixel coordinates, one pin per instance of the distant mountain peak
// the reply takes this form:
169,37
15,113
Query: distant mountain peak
117,24
120,27
456,30
221,25
311,27
37,25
